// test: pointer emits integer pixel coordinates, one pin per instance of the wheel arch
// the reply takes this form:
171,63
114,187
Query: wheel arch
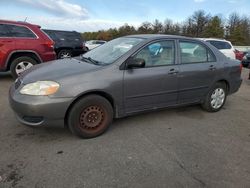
103,94
17,54
63,48
226,82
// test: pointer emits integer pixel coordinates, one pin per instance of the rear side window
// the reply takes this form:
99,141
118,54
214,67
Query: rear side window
51,34
3,31
68,35
20,32
192,52
220,44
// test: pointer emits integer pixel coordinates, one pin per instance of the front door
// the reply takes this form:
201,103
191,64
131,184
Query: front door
155,85
7,45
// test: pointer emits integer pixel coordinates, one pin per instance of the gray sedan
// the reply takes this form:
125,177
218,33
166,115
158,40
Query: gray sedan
125,76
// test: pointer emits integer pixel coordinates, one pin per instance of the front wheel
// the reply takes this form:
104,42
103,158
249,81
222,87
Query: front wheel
90,116
215,98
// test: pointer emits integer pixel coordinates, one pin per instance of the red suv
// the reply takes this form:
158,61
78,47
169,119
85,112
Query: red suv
23,45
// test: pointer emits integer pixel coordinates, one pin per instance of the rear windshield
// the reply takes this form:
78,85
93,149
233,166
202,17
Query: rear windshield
64,35
220,44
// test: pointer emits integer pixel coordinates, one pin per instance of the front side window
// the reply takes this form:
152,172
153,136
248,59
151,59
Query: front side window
3,31
192,52
158,54
20,32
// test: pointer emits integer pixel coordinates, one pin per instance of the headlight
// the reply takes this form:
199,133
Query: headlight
40,88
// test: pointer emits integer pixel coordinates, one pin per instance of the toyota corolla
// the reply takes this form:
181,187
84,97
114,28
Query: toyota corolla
125,76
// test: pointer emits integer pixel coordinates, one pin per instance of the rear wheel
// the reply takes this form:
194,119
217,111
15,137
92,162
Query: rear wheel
215,98
21,64
90,116
64,54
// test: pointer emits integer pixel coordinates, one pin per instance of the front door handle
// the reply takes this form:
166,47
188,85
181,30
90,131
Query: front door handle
212,67
173,71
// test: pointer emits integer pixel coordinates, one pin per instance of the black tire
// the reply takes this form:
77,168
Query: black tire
16,65
90,116
64,54
207,104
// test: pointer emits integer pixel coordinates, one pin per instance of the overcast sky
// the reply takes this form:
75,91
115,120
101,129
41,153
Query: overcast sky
93,15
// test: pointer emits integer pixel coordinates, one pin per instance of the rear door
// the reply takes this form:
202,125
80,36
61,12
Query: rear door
7,45
25,39
155,85
198,70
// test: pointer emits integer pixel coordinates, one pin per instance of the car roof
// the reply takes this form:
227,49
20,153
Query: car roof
17,23
98,40
215,39
156,36
63,31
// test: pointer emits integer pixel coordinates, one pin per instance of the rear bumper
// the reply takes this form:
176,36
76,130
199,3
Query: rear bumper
234,86
48,56
245,63
38,110
76,52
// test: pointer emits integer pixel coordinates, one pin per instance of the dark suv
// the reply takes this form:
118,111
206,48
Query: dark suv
67,43
22,45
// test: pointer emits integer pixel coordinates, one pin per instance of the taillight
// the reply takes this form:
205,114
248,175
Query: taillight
235,53
49,43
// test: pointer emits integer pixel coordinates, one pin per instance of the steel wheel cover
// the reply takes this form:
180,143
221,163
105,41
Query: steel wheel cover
92,119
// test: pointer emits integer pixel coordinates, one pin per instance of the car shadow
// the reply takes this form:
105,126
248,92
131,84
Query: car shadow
5,76
56,133
193,112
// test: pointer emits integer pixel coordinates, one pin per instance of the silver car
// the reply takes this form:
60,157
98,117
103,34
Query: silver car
125,76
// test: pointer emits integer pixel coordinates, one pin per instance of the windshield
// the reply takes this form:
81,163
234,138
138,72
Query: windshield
111,51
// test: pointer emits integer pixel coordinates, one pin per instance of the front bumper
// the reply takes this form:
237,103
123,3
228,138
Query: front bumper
38,110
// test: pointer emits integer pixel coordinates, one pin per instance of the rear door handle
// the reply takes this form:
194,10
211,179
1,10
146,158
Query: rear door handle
212,67
173,71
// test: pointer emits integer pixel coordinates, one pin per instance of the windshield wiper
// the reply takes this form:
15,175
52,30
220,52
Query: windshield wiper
89,59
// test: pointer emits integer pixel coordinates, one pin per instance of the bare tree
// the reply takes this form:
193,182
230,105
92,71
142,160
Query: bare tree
146,27
157,26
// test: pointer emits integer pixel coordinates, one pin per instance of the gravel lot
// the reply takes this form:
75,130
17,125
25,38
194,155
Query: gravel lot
183,147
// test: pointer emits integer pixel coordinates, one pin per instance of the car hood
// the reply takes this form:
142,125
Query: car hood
57,70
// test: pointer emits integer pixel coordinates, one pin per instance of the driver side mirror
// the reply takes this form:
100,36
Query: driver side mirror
136,63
